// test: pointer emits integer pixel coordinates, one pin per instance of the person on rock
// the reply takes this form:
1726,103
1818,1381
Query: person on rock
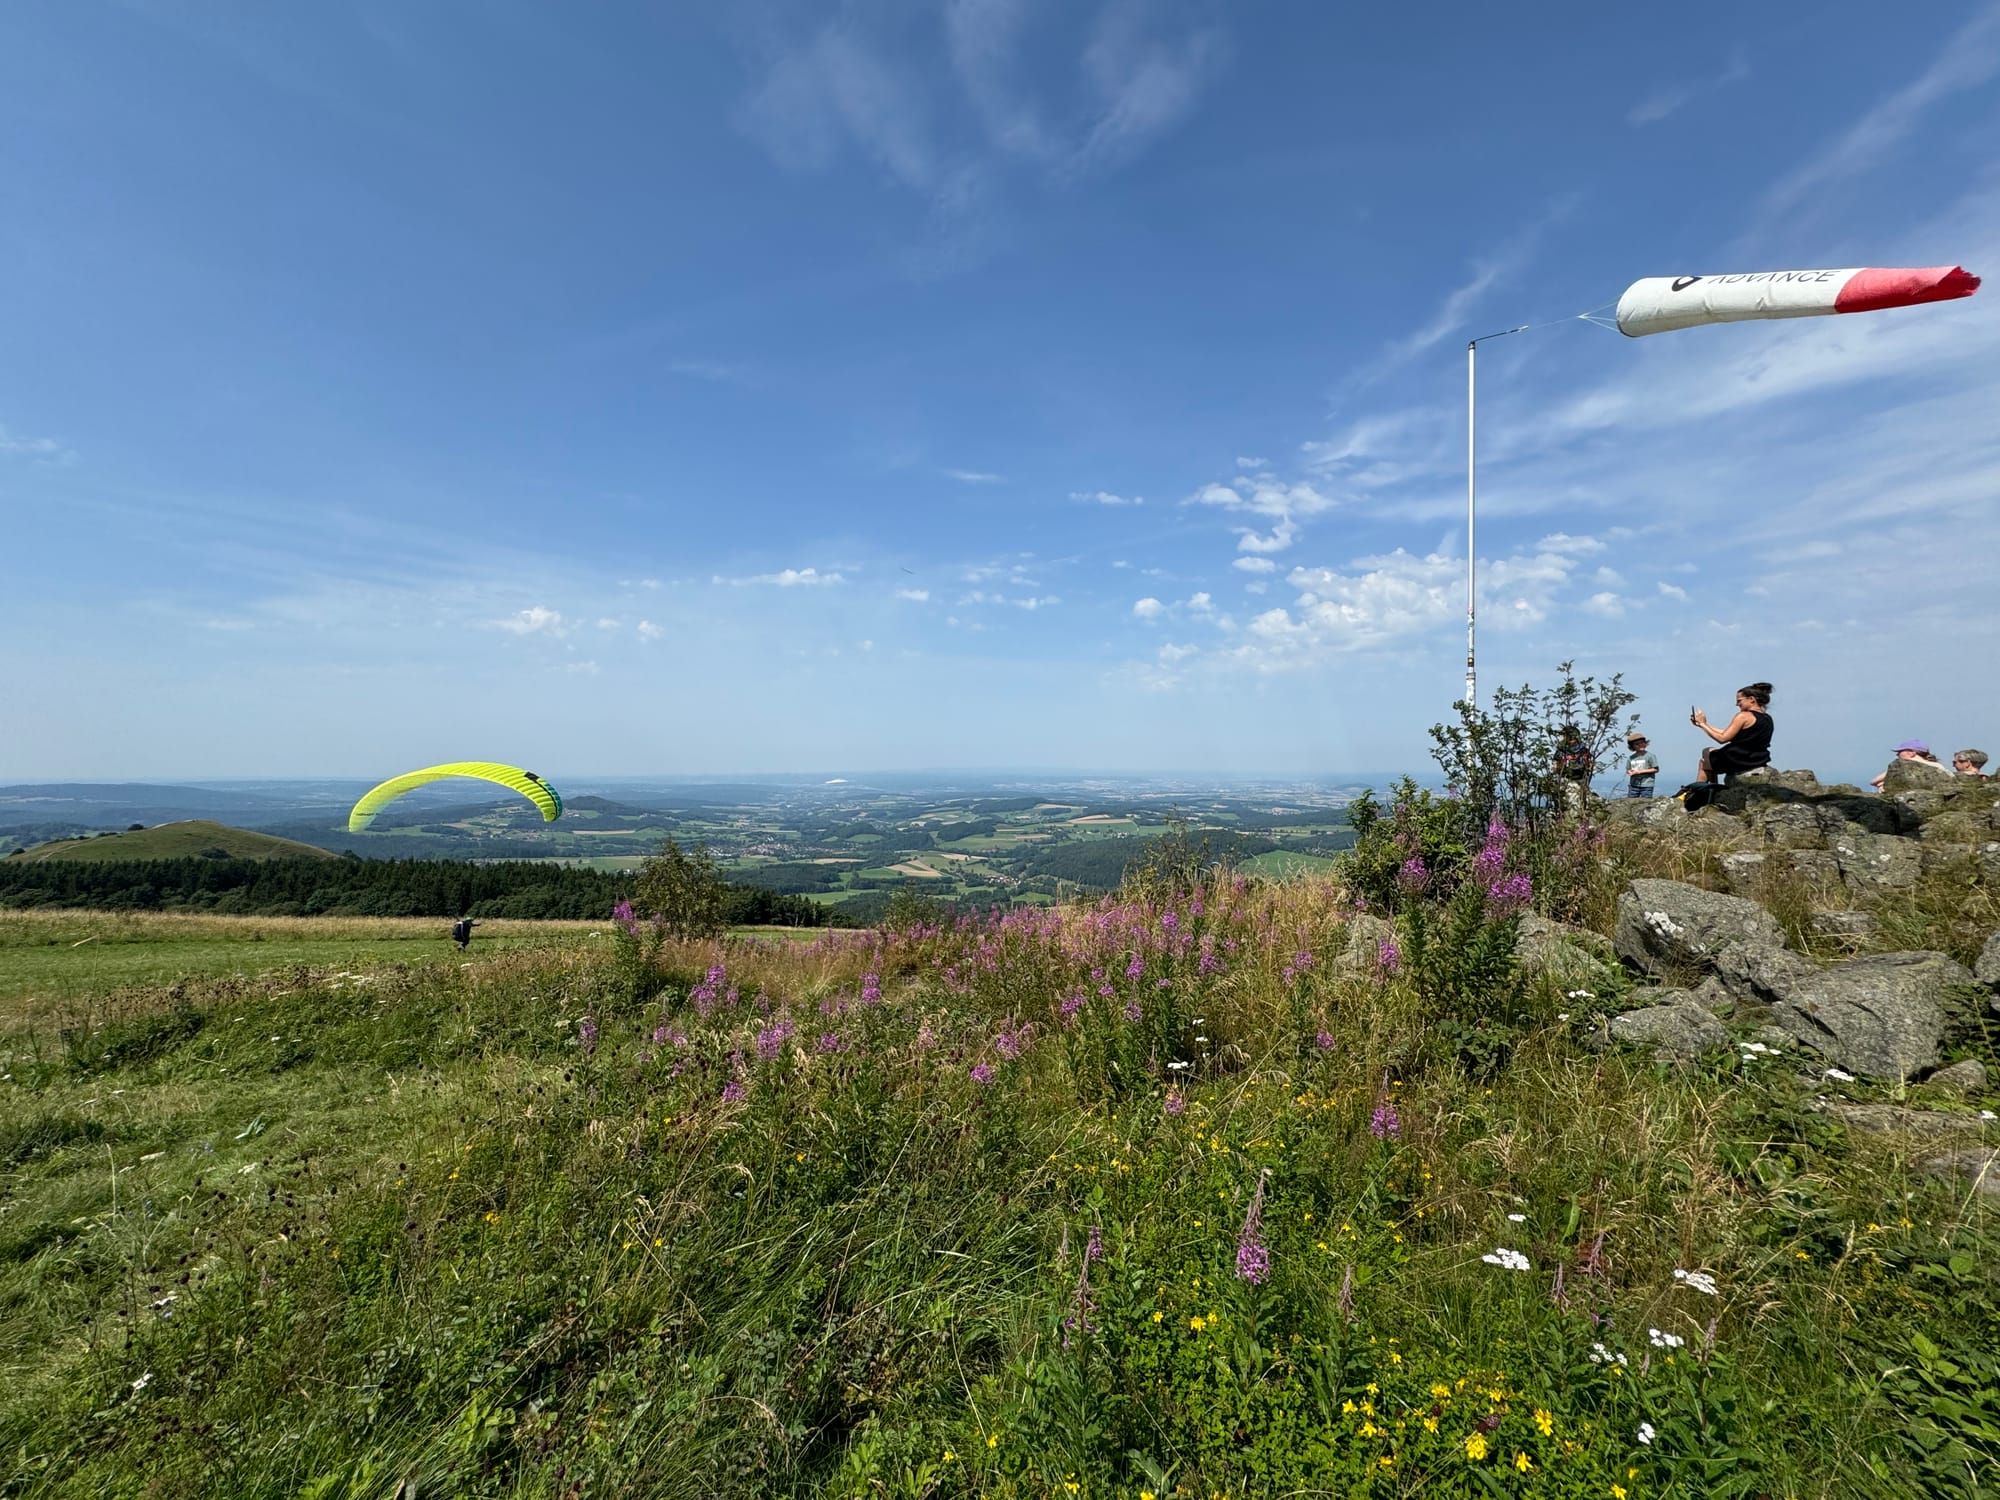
1744,743
1970,763
1915,750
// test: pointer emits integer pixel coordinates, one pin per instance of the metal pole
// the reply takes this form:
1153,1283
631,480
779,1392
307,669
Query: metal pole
1471,598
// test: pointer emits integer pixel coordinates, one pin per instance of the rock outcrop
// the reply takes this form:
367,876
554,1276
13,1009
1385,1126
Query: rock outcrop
1882,1016
1667,928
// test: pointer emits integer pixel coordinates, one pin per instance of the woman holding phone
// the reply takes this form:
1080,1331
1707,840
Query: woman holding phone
1744,743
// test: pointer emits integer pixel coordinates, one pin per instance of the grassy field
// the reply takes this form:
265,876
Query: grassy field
50,957
176,841
1173,1197
1284,863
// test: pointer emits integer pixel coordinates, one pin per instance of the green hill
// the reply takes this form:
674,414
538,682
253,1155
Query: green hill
196,837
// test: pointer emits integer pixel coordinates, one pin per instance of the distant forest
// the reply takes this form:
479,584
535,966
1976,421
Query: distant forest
359,888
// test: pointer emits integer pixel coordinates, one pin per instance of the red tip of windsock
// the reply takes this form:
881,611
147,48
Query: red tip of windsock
1881,287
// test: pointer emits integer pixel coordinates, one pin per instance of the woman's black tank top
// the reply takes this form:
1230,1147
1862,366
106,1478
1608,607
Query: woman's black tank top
1753,745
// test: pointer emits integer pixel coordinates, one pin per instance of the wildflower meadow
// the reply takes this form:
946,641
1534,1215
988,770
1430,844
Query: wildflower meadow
1218,1188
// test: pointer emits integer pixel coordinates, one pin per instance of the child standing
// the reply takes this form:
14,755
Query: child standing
1640,767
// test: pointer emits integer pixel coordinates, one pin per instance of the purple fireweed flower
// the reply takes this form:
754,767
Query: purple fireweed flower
1136,968
1094,1249
1253,1260
1388,957
1071,1005
1385,1124
832,1041
1196,908
1324,1041
1176,1104
1413,876
871,988
1209,962
1169,921
586,1034
982,1074
771,1040
735,1091
1106,991
1164,984
1009,1043
1133,1012
1489,863
1509,897
1302,960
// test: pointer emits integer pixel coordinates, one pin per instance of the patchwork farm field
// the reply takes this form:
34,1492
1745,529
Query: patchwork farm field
1189,1193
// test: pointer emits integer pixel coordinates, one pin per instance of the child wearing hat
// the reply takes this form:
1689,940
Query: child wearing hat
1640,767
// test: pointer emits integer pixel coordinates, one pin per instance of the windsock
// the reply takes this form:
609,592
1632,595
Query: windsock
1660,304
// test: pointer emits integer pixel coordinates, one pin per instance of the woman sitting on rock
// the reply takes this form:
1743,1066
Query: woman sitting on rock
1744,743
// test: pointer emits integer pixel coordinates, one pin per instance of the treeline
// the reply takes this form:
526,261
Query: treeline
360,888
1100,864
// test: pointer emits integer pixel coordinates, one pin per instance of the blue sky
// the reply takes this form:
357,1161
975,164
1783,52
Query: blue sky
993,383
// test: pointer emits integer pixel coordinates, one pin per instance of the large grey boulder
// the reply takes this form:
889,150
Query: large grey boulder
1847,926
1365,935
1882,1016
1916,776
1898,1119
1987,968
1665,927
1872,864
1675,1032
1574,957
1979,1167
1791,825
1965,1077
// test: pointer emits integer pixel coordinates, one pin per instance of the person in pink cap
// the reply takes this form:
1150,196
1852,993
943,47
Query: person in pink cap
1911,750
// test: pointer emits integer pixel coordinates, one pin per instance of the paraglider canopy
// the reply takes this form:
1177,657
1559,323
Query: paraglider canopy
527,783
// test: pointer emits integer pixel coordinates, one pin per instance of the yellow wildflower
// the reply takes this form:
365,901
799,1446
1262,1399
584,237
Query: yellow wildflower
1475,1446
1430,1424
1387,1460
993,1440
1544,1421
1523,1462
1440,1390
1158,1316
492,1218
1617,1492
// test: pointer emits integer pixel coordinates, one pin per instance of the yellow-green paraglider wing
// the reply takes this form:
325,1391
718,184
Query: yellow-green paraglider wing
527,783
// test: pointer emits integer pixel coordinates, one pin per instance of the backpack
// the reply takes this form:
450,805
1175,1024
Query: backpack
1697,794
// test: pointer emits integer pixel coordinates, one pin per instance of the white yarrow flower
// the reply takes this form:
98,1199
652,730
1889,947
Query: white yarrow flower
1646,1433
1510,1260
1699,1281
1599,1355
1663,1340
1517,1218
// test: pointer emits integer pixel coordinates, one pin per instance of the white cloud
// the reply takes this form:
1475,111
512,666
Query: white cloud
789,578
916,596
1265,496
1105,497
1170,653
1670,98
867,645
1673,591
975,476
1148,608
648,631
1607,604
607,622
534,620
1281,536
1253,463
1144,84
1032,604
1200,604
1254,565
37,449
1968,61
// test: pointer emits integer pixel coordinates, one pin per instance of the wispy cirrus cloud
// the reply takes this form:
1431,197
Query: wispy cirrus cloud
1671,98
974,476
1970,60
1105,497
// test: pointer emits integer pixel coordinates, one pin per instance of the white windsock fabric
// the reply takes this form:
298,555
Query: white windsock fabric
1660,304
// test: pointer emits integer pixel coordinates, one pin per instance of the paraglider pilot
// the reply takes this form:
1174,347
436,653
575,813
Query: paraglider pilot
461,931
